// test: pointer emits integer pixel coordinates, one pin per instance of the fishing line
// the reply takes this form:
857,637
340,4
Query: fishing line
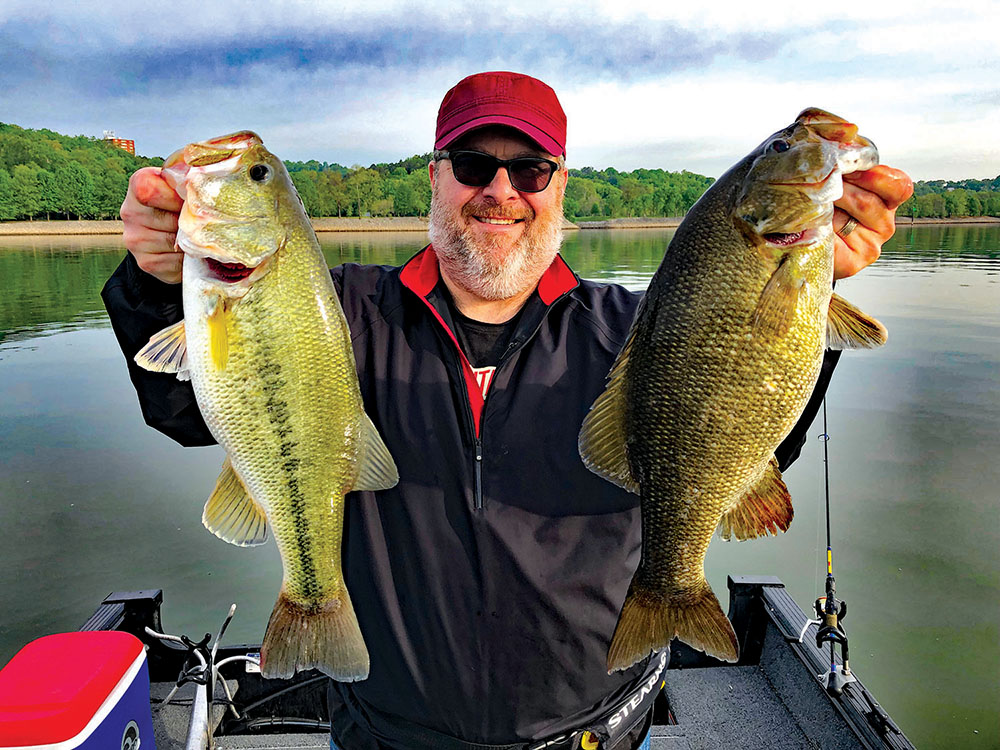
825,437
817,543
829,611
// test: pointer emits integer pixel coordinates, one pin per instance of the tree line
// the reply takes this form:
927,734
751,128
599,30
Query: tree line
44,174
945,199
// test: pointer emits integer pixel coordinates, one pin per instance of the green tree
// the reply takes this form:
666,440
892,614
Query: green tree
420,181
974,203
581,197
364,186
305,185
956,203
333,194
27,191
47,182
381,207
74,190
611,199
404,199
7,205
667,199
110,188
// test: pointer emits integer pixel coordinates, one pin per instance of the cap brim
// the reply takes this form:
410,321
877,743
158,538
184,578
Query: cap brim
546,142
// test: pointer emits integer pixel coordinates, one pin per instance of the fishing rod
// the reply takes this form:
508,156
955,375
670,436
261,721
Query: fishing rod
831,612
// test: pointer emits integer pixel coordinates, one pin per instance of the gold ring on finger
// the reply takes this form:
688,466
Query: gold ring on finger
849,226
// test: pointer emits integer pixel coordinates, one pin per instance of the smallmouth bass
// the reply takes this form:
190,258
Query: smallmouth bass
722,357
266,346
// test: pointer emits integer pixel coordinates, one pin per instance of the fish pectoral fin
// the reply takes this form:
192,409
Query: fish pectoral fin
765,508
776,306
602,436
231,514
166,352
849,328
377,470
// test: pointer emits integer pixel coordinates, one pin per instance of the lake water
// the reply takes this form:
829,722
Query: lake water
92,500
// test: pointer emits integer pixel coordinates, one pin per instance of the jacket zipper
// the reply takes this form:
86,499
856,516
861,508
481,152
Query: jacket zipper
479,474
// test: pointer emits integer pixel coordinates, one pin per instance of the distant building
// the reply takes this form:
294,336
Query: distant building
122,143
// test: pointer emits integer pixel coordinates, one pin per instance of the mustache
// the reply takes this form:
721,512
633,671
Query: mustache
490,210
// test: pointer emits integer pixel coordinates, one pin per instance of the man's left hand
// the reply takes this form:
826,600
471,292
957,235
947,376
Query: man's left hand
871,198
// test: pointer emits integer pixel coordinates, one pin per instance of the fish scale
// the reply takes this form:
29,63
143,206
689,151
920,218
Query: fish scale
723,355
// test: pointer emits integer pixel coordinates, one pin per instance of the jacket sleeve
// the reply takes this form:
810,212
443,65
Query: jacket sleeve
791,446
139,306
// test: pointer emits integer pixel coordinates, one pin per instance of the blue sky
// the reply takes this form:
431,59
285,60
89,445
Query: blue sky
643,86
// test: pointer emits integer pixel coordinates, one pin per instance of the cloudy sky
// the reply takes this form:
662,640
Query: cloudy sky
642,85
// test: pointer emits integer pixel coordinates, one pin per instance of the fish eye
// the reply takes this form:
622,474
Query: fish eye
259,172
778,146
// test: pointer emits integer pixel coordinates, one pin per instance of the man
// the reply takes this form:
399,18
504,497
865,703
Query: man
488,581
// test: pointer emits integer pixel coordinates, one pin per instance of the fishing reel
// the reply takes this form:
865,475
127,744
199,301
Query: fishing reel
831,613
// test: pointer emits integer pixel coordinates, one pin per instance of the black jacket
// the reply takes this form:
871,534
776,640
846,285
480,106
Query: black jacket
487,582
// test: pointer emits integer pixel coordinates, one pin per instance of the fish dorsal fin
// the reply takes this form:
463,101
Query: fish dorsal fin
776,306
166,352
231,514
377,470
763,509
849,328
602,437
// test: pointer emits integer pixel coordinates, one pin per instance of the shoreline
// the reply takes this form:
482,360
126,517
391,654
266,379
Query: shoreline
404,224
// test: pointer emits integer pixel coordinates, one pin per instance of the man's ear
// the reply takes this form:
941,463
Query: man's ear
430,171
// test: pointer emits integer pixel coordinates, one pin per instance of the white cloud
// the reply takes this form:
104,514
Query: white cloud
714,118
920,80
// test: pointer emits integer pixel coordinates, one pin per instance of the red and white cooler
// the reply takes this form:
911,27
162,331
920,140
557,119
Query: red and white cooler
72,691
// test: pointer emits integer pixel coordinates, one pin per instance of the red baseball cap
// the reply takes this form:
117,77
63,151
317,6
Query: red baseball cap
502,98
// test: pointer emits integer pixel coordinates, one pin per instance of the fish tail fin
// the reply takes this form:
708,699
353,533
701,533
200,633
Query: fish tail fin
328,640
649,620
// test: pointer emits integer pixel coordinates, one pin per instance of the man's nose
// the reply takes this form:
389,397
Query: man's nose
500,189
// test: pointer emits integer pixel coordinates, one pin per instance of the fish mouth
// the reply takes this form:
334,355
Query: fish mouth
785,239
229,273
818,184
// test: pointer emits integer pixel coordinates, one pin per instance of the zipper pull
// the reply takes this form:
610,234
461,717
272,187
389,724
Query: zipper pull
479,474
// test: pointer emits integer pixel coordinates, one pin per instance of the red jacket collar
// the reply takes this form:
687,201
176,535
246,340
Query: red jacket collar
421,274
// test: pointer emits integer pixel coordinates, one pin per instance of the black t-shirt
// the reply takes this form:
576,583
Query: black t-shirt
483,343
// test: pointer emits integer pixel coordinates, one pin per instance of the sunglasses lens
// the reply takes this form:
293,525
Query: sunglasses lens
474,170
528,175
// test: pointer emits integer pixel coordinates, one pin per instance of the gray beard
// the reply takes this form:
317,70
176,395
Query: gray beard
472,262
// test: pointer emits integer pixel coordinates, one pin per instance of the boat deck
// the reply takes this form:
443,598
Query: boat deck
771,699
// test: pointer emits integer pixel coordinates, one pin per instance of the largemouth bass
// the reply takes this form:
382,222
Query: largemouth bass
268,351
723,355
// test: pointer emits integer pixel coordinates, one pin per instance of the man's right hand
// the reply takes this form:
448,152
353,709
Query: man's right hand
150,213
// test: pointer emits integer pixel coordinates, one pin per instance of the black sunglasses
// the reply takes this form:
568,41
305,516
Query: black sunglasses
528,174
